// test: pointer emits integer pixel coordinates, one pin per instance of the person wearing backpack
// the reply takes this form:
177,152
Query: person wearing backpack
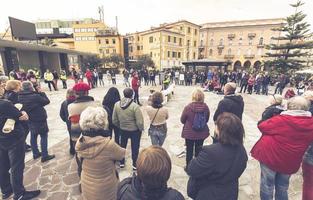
195,118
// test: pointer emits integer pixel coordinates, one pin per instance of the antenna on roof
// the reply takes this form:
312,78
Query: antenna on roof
101,13
116,24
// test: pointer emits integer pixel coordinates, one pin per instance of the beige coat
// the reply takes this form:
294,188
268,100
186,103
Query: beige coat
99,176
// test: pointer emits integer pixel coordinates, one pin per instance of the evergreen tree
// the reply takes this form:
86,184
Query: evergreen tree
291,49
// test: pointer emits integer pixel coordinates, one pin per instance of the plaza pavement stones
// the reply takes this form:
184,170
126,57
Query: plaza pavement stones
58,178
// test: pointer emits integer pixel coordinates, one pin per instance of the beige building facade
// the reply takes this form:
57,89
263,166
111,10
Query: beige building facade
98,38
240,42
168,45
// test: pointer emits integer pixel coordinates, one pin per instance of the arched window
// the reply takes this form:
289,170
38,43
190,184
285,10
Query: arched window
211,52
261,41
240,41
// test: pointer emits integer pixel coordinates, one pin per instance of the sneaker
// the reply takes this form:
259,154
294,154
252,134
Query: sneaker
47,158
37,156
134,168
122,166
27,195
7,195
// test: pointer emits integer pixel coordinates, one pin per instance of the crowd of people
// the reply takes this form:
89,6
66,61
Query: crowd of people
99,133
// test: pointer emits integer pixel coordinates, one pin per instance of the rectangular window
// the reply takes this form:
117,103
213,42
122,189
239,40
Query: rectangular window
84,38
188,43
76,30
141,48
83,30
168,38
90,30
194,43
174,54
107,51
90,38
174,39
180,41
78,38
196,31
138,48
138,38
113,41
189,30
194,55
151,39
151,54
114,50
131,49
168,54
107,41
178,54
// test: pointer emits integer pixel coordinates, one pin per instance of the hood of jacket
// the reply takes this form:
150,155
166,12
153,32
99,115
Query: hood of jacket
235,98
298,120
125,103
197,107
90,147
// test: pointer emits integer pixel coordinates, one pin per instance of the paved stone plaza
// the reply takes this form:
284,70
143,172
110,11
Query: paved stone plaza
58,178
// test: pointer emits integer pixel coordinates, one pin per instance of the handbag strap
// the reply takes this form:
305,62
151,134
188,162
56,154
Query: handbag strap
154,116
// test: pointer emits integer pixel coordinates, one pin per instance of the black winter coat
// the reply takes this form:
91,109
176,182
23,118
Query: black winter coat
131,189
215,172
33,103
64,112
8,111
11,96
270,112
232,104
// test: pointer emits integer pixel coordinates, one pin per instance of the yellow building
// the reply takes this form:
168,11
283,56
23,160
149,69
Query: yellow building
98,38
240,42
168,45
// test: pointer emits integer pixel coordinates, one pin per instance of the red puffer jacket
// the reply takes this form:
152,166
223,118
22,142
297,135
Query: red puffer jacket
187,118
285,138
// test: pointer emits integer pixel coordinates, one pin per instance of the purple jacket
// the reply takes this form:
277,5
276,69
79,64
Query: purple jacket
187,119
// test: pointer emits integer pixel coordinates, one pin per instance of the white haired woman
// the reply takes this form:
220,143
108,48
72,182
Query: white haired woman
98,153
307,164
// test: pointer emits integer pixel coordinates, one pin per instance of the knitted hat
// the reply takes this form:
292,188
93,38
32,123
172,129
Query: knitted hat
81,87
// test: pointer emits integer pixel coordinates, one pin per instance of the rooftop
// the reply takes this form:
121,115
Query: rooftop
36,47
255,22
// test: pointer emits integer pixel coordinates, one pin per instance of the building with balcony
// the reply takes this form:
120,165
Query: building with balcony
240,42
168,45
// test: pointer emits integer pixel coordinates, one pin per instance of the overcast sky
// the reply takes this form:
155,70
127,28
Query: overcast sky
138,15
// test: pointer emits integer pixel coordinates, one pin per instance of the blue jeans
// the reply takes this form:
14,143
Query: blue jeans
158,134
271,180
43,144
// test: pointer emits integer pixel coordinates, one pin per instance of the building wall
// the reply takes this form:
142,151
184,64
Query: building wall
85,36
28,59
243,45
2,61
167,45
111,44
